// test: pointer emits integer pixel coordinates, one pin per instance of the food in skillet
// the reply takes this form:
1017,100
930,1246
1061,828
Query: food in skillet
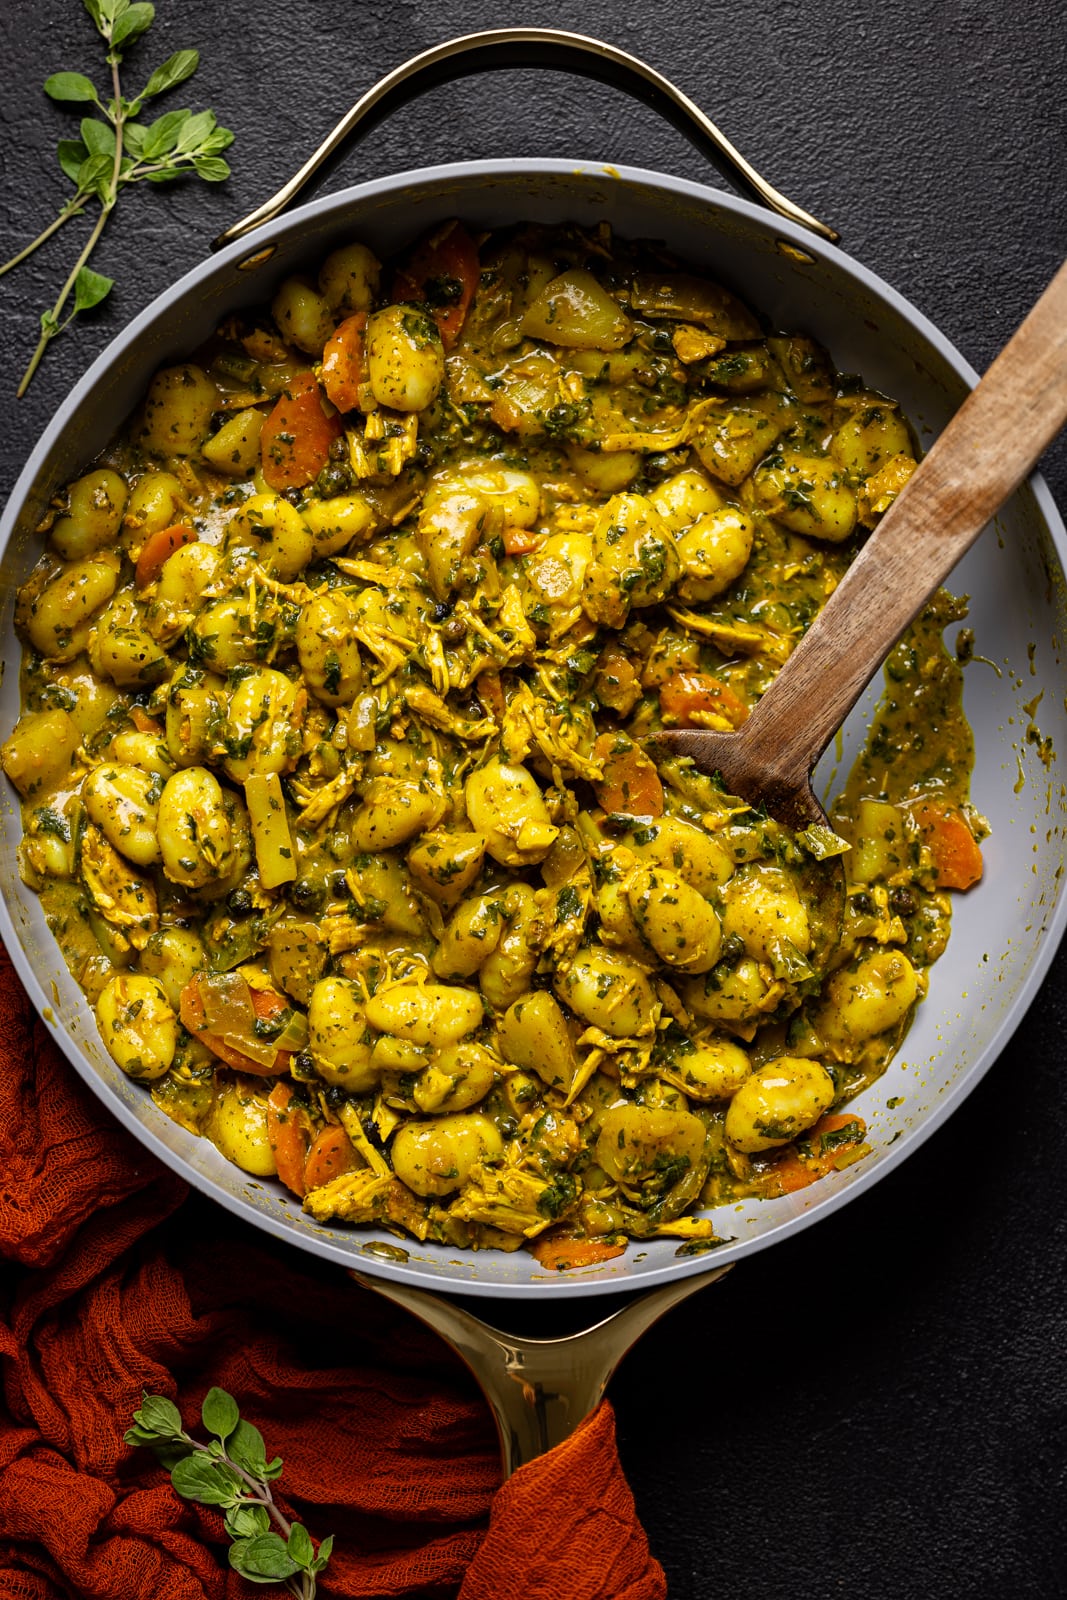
339,668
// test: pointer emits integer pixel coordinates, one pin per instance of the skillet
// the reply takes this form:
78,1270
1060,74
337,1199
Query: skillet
786,265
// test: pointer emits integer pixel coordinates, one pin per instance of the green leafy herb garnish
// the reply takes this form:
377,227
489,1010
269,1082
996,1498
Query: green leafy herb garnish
233,1473
115,150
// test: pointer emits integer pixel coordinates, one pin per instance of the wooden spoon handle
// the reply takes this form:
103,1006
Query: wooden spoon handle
985,452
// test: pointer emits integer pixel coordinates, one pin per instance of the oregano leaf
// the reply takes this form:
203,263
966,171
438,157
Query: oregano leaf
181,65
211,168
162,134
262,1559
133,138
98,137
196,1477
94,174
71,153
196,129
246,1449
218,139
133,22
245,1521
69,86
159,1414
93,8
219,1413
325,1552
90,288
137,1435
299,1545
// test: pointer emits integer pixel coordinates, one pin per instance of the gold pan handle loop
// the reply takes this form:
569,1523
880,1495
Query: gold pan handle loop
533,47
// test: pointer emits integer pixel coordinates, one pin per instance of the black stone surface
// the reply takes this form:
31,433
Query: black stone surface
877,1408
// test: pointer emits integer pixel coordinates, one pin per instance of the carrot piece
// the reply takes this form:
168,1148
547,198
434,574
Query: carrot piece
565,1254
442,270
698,700
158,548
957,857
331,1154
491,693
143,722
630,782
266,1003
520,541
294,445
796,1168
344,363
289,1133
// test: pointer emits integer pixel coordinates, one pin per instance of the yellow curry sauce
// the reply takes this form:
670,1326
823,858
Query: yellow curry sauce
339,666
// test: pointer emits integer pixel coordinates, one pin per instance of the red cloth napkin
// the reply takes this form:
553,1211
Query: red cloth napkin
124,1281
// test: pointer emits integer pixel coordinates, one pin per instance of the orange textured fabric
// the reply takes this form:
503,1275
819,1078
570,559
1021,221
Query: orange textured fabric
122,1281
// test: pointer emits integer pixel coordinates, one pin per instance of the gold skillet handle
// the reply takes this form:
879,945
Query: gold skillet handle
539,1390
533,47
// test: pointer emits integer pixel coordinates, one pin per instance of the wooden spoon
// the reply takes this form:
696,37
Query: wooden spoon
986,451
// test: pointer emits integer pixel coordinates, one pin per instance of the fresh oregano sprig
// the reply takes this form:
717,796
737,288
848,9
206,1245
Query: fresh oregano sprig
115,150
233,1473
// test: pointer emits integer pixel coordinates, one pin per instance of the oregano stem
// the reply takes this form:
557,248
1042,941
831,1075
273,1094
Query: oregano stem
72,208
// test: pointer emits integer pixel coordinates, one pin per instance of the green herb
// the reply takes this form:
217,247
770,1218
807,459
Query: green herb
114,150
233,1473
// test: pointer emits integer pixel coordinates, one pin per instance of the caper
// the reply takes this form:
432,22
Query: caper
240,902
307,894
333,479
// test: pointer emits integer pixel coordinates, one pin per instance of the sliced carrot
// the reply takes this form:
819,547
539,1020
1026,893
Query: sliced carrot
630,782
442,270
158,548
491,693
520,541
957,858
807,1161
289,1132
565,1254
331,1154
344,363
143,722
699,700
266,1003
294,445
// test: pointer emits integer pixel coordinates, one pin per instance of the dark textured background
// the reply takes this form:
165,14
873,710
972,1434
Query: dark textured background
878,1407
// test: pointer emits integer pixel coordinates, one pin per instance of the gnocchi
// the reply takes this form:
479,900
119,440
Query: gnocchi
340,670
